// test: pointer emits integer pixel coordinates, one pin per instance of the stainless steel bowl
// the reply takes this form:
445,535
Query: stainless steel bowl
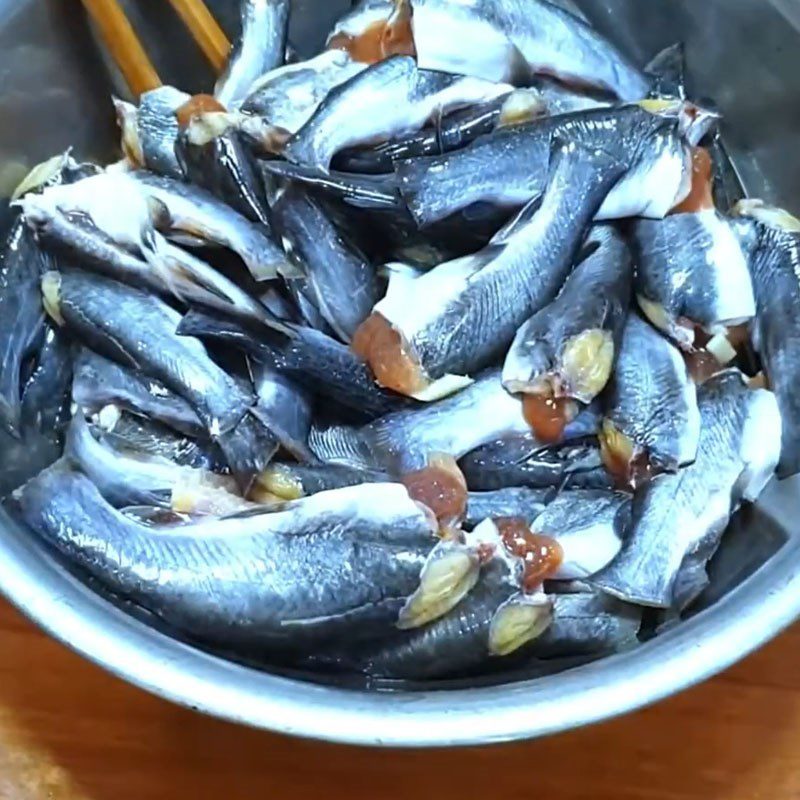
743,54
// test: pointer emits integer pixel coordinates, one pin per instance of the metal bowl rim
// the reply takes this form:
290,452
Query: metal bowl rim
751,614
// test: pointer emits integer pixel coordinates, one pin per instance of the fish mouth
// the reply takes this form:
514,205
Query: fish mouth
770,216
586,364
517,622
448,576
40,175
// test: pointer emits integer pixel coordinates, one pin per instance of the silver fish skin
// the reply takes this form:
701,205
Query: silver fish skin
651,145
512,462
149,131
138,331
282,101
323,365
287,578
390,98
461,316
691,271
342,283
403,441
509,40
772,238
590,525
284,408
98,382
260,48
198,213
569,346
21,317
679,520
652,400
589,623
45,398
519,502
129,477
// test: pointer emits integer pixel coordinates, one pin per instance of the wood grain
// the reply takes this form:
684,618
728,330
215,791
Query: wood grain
205,31
123,45
68,731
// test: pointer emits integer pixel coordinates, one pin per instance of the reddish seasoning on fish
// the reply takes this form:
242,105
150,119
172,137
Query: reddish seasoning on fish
385,352
548,416
700,197
540,554
379,40
199,104
441,487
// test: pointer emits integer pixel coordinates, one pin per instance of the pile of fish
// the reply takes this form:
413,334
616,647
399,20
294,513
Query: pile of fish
425,355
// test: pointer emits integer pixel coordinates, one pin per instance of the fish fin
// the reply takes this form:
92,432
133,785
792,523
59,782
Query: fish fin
519,221
361,191
668,70
248,448
340,444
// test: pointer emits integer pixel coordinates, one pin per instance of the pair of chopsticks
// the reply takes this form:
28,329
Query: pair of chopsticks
130,56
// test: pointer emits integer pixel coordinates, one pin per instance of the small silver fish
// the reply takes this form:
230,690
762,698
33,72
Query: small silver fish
652,421
390,98
568,348
462,315
342,283
338,563
678,520
260,48
509,40
772,241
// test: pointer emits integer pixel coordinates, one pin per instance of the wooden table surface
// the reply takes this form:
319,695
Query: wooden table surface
69,730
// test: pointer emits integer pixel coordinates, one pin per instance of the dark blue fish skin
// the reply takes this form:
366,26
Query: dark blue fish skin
45,399
774,257
21,317
99,382
341,282
505,464
226,168
513,502
327,368
138,331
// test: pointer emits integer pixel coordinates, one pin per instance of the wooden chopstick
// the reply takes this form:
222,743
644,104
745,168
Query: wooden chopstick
205,31
123,45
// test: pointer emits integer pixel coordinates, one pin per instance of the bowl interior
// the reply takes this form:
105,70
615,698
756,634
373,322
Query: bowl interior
57,93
